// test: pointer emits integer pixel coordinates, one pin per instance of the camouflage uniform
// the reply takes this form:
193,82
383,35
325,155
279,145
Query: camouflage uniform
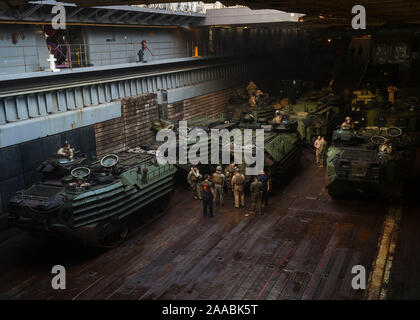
391,93
194,181
256,189
238,181
218,181
229,173
66,152
252,89
348,124
252,101
317,144
323,147
278,117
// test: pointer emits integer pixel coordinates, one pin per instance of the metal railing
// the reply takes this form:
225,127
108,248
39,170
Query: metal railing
34,58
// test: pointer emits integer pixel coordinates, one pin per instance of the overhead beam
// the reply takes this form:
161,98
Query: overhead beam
106,15
148,18
159,18
135,17
74,12
121,17
29,11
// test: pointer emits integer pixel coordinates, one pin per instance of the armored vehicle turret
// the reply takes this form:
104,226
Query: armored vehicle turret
94,202
369,161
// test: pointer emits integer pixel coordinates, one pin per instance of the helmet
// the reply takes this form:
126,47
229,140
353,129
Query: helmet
219,169
348,118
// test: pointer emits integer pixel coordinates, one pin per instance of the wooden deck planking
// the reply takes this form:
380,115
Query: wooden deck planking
303,247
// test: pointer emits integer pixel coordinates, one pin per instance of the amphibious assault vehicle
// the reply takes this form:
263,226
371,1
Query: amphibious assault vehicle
370,161
239,110
202,126
372,109
282,148
95,202
318,113
282,141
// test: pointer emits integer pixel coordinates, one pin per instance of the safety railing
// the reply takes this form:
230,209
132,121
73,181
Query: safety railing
19,59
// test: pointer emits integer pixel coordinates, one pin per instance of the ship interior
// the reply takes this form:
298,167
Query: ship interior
122,70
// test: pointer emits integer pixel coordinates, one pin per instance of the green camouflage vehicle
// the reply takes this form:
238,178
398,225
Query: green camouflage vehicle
282,141
239,110
282,149
371,161
95,203
282,145
204,123
376,111
317,114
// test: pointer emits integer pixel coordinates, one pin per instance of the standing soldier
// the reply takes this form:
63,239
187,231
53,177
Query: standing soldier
219,181
252,89
317,144
194,181
391,93
229,173
256,189
208,196
323,147
263,178
238,181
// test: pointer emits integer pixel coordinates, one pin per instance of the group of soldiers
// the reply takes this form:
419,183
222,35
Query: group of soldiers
211,188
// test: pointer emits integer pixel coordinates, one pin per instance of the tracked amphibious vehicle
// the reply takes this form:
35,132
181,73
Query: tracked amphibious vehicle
282,141
374,110
318,113
94,203
239,110
371,161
